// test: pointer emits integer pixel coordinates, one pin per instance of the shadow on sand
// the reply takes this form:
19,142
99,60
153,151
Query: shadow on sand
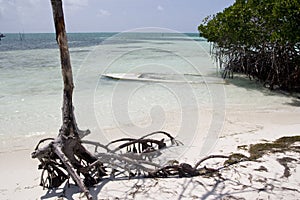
185,189
254,85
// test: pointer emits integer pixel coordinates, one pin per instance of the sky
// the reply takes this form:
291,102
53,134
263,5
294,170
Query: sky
35,16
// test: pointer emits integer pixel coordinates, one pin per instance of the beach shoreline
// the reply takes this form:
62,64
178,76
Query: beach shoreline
241,127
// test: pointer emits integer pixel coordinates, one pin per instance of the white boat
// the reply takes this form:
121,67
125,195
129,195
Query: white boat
166,78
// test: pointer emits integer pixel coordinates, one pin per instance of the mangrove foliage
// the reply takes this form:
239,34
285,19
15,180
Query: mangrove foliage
259,38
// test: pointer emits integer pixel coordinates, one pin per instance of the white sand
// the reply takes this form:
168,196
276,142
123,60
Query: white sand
243,126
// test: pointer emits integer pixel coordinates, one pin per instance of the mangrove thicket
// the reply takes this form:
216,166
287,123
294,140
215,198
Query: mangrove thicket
259,38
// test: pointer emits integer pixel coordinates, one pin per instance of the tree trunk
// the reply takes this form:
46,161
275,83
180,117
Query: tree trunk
66,151
69,127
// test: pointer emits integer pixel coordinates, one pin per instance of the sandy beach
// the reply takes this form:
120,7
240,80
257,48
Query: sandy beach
243,125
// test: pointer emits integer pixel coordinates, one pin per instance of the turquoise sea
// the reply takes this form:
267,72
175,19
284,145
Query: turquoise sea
172,82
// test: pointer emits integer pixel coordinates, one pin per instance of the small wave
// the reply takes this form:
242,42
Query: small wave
33,134
80,51
130,47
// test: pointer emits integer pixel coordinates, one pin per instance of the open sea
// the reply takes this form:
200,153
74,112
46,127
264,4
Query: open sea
139,82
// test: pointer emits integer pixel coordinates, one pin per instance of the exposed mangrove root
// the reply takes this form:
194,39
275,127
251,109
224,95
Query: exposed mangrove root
57,168
66,157
86,171
144,144
60,164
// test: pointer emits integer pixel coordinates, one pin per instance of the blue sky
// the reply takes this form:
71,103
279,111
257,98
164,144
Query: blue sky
108,15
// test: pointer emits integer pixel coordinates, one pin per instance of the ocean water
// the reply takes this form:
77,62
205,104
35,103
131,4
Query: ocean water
171,78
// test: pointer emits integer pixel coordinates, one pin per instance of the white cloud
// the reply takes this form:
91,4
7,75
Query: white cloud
7,2
1,12
76,3
14,9
103,12
160,8
17,15
6,6
34,2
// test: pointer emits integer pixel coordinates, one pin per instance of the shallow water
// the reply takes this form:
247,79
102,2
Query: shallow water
31,84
